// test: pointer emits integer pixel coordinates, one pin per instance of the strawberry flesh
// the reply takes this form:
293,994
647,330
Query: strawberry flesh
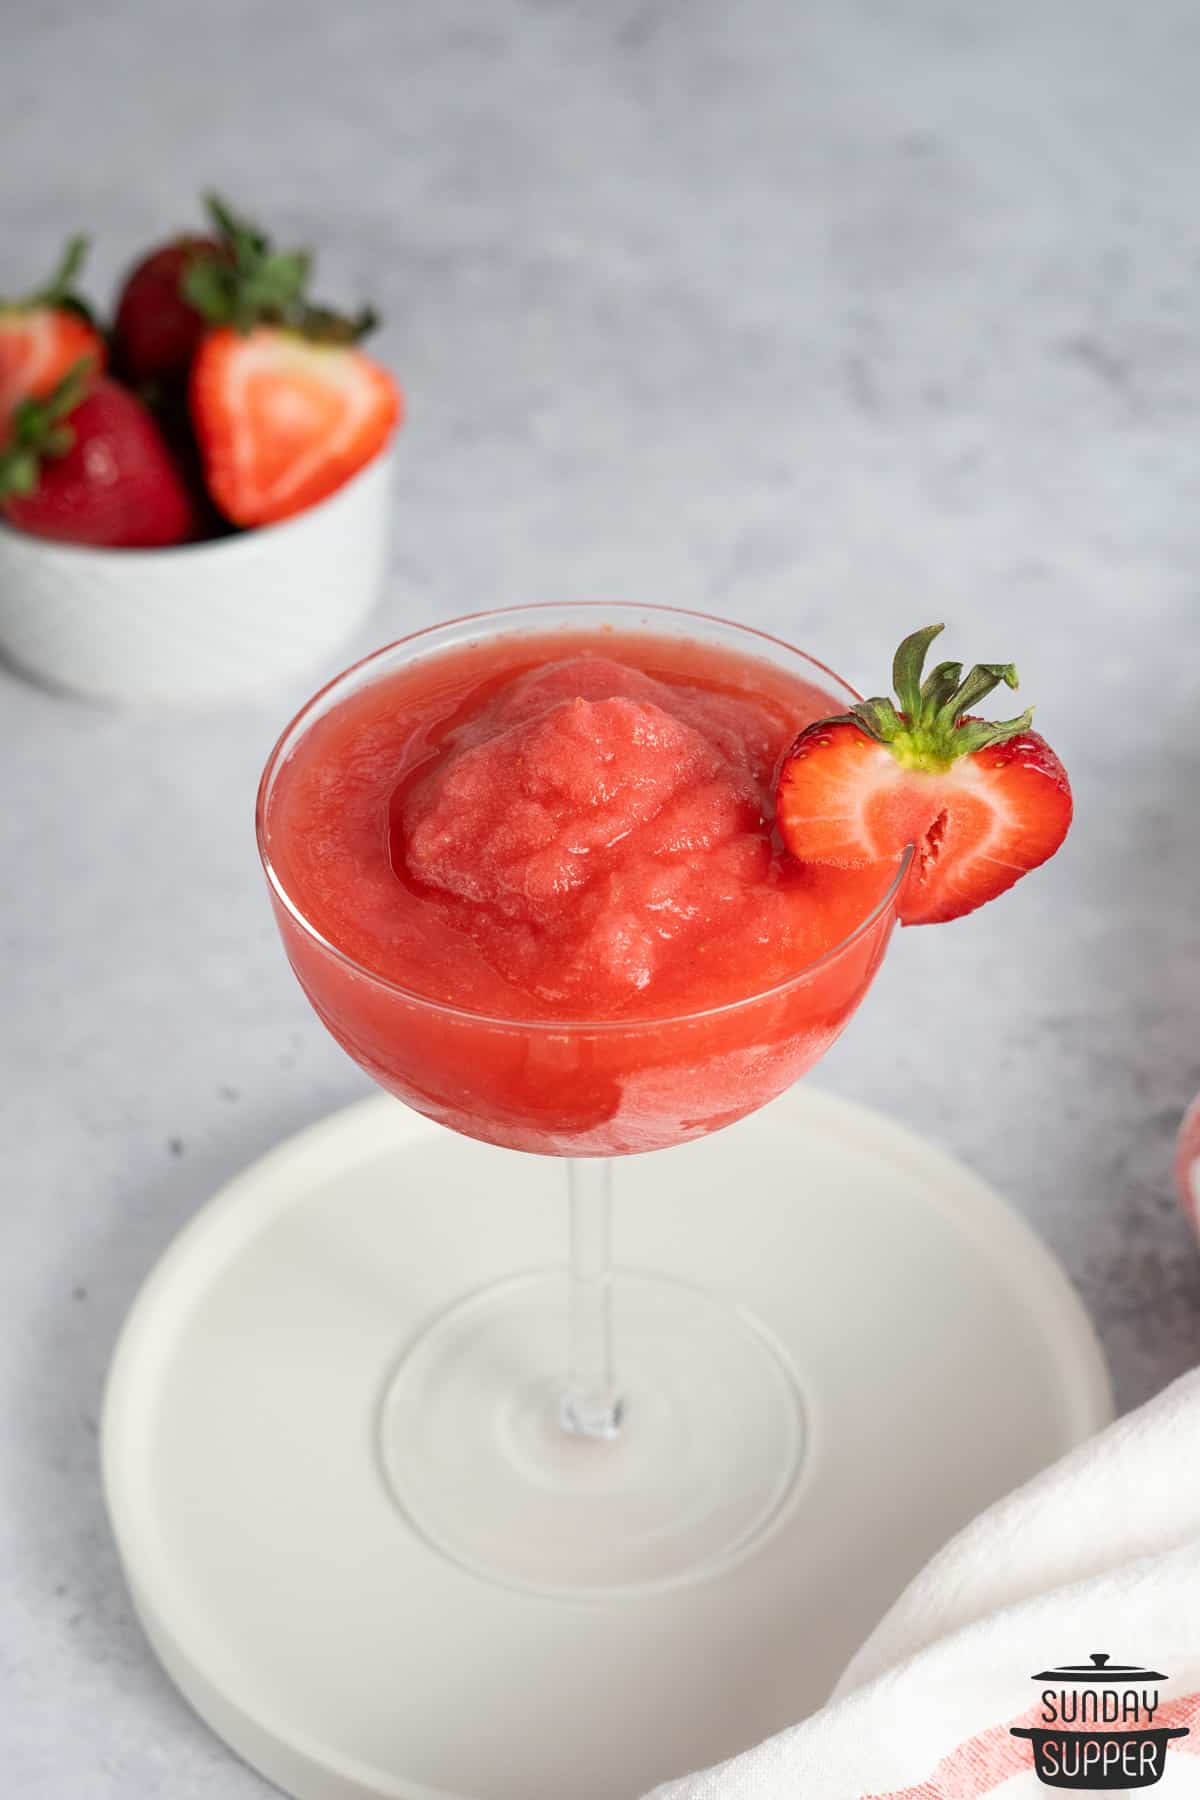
981,804
283,420
36,350
45,335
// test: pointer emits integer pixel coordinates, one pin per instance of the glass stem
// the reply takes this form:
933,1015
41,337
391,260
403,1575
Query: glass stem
591,1406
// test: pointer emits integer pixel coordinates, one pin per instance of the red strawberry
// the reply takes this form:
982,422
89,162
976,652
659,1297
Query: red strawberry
157,328
980,803
88,465
44,335
233,275
284,407
283,418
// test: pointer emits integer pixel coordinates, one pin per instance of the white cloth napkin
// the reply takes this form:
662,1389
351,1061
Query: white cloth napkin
1101,1552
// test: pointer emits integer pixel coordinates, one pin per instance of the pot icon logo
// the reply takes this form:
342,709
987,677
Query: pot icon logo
1098,1726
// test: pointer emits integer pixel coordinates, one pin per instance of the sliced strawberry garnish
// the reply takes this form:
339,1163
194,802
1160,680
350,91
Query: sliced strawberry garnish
88,465
44,335
981,803
283,418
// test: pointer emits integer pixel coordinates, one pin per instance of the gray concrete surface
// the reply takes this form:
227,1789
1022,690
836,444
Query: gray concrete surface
833,318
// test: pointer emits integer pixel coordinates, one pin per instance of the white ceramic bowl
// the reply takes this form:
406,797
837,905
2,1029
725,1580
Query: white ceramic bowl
198,623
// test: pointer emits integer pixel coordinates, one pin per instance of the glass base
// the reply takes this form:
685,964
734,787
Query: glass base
709,1447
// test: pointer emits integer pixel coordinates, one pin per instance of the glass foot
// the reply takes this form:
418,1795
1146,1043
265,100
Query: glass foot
710,1442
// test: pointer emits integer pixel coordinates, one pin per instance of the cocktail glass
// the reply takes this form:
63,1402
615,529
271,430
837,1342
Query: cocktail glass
596,1429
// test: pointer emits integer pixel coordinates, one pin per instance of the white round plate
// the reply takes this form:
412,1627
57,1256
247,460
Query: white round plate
942,1354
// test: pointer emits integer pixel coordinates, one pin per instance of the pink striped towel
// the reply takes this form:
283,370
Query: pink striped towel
1101,1552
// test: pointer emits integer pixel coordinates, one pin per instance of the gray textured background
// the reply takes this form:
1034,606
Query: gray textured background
832,317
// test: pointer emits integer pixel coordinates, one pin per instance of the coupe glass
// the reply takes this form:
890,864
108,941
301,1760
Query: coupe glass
587,1430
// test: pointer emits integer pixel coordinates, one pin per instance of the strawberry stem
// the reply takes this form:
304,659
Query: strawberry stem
58,292
227,223
930,728
62,280
252,283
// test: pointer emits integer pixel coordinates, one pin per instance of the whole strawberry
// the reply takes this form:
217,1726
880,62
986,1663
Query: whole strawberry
44,335
157,329
88,465
980,803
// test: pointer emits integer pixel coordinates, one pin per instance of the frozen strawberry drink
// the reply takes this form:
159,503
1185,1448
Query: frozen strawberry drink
531,880
587,881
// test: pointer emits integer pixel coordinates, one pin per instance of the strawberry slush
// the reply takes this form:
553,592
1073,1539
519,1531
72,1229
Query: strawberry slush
545,900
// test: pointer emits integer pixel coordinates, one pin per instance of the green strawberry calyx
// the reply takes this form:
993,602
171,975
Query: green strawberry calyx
41,429
248,282
58,293
931,727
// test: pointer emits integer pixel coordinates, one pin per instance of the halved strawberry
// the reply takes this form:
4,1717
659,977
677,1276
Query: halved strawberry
981,803
44,335
283,418
284,406
88,465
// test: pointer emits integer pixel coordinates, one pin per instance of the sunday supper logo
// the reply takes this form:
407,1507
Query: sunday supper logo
1098,1726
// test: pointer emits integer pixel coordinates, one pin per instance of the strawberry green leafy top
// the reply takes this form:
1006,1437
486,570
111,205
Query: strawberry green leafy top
930,728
